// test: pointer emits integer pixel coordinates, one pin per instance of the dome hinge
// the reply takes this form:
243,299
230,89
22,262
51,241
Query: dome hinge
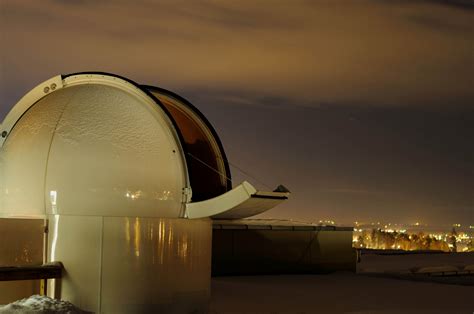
187,195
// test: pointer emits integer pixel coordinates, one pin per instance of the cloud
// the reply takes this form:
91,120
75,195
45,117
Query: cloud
363,52
350,191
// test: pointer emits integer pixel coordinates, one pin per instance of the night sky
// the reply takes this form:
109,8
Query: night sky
363,109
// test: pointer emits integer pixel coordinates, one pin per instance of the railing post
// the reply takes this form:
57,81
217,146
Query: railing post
43,287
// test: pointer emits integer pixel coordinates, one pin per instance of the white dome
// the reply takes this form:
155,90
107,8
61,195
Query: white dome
91,144
95,144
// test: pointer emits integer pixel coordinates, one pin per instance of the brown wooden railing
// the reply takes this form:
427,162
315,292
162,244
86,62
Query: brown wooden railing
40,272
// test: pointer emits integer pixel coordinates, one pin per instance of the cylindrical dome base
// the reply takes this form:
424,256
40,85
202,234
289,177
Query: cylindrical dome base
132,264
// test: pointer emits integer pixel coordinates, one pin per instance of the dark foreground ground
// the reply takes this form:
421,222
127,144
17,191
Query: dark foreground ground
365,292
337,293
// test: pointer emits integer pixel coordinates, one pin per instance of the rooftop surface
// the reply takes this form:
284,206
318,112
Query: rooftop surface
373,289
336,293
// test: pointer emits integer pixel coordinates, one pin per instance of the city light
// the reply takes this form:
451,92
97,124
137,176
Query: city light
398,236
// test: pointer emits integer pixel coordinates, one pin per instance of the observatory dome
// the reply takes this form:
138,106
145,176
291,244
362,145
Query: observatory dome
118,174
101,145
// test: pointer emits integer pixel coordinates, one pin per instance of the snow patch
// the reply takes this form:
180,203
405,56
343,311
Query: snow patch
40,304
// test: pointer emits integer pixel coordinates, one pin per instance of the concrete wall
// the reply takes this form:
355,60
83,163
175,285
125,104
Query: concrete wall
270,251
